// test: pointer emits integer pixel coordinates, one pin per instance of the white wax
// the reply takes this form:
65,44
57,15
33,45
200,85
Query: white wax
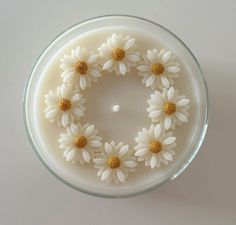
116,105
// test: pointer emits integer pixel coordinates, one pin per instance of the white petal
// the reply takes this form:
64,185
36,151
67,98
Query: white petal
124,150
83,82
96,144
150,81
65,119
95,73
70,155
173,69
181,117
153,162
92,58
122,68
143,68
155,113
51,113
141,152
120,175
166,56
171,94
99,161
167,156
151,56
76,97
108,148
74,129
169,140
107,65
157,131
106,174
86,156
130,164
69,77
89,130
182,102
129,44
167,122
133,58
165,81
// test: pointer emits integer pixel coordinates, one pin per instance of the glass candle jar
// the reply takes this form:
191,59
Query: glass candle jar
119,105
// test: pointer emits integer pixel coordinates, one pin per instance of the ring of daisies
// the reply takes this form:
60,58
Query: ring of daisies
167,108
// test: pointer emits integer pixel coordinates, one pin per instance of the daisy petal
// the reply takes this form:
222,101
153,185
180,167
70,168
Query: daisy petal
182,102
157,131
123,150
99,161
70,155
83,82
120,175
108,148
151,56
95,73
166,56
167,122
173,69
96,144
107,65
130,164
133,58
86,156
65,119
150,81
122,68
92,58
143,68
181,117
51,113
165,81
89,130
106,174
169,140
153,162
129,44
171,94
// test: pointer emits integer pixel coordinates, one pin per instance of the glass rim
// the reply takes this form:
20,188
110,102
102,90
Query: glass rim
180,168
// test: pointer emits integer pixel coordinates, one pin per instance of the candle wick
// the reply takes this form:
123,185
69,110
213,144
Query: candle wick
116,108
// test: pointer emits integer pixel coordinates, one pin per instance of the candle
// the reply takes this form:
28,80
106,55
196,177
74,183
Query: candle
115,104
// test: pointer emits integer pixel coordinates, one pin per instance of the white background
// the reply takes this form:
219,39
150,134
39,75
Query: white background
203,194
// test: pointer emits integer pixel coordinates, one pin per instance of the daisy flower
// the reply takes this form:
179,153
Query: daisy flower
64,106
168,108
114,162
80,67
154,146
158,69
119,54
80,143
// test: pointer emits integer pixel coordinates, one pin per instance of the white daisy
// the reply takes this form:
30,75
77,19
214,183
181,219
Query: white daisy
168,108
155,146
119,54
64,106
158,69
80,143
80,67
114,162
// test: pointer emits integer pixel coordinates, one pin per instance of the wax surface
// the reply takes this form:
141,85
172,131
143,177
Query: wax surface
121,123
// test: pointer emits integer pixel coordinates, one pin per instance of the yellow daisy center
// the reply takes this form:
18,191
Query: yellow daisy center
169,108
65,104
155,146
118,54
80,141
81,67
113,162
157,69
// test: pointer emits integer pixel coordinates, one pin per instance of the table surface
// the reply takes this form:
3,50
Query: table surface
203,194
